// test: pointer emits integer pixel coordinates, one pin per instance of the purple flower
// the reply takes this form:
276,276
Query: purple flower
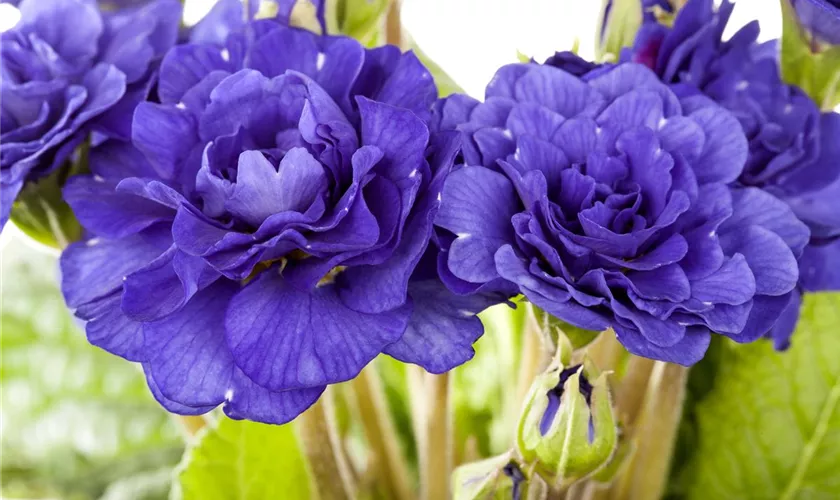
820,17
69,69
793,147
608,201
265,238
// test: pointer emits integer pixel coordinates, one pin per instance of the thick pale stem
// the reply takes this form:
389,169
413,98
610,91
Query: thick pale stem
393,25
655,434
535,354
437,453
321,443
389,463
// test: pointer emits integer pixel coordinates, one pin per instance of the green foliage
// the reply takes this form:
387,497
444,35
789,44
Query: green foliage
620,28
768,425
78,423
241,460
40,211
484,389
817,72
361,18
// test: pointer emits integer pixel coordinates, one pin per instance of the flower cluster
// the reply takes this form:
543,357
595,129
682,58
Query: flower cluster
609,201
69,69
264,236
793,147
269,208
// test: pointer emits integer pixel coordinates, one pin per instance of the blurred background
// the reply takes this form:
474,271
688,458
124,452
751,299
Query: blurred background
78,423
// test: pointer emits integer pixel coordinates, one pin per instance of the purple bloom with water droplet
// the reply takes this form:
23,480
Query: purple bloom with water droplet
70,69
268,232
610,201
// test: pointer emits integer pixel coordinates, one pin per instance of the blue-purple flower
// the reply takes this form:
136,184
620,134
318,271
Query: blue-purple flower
793,147
69,69
265,236
609,202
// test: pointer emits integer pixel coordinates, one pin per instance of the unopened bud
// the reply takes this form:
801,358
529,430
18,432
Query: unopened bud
567,429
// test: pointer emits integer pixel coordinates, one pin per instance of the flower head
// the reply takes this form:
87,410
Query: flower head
264,237
69,69
609,202
793,147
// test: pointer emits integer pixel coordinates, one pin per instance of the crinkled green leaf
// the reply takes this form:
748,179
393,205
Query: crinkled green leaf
243,460
75,419
769,427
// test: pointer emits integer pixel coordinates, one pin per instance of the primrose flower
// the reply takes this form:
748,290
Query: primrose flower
610,202
59,85
265,236
793,146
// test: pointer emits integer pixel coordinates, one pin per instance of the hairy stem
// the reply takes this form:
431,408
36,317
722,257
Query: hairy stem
389,463
320,440
654,434
535,355
436,457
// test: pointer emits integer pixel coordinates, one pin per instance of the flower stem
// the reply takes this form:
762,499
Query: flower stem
320,440
191,424
381,434
436,457
393,25
655,434
535,357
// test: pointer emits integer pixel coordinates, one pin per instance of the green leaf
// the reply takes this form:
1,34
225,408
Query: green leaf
813,68
40,211
769,427
238,459
75,418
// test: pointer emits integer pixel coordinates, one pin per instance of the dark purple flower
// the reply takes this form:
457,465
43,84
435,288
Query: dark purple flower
793,147
820,17
265,238
608,201
69,69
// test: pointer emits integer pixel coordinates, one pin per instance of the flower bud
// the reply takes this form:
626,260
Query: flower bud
567,429
501,478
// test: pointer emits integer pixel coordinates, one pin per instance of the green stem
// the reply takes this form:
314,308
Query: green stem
655,434
320,440
436,457
392,471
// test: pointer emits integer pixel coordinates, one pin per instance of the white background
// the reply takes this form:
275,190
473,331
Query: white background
470,39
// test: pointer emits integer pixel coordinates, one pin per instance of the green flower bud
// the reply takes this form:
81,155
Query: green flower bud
497,478
568,429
